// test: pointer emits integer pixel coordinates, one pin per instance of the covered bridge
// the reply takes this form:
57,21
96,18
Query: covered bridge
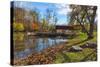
66,28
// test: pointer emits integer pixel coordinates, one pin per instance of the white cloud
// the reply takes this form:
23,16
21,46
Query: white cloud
62,12
25,5
63,9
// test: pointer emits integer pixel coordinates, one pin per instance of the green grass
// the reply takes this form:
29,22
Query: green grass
80,56
87,54
81,39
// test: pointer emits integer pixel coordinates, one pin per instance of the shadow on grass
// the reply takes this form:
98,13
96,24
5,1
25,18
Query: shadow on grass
67,58
79,42
89,55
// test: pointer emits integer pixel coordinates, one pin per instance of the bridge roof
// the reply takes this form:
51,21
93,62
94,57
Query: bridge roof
64,27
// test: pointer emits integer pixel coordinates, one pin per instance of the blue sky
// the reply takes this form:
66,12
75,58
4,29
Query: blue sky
61,9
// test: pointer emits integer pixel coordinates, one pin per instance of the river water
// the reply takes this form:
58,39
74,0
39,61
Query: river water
25,45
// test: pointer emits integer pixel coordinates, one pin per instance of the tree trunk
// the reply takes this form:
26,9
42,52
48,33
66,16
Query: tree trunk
90,35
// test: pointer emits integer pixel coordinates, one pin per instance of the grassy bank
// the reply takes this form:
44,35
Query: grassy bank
86,54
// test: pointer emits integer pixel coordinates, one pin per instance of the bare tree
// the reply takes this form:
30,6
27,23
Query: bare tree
83,14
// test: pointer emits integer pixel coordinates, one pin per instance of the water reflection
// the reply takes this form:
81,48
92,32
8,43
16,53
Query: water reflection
27,45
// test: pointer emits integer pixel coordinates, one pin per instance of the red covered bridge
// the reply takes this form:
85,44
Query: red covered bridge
62,28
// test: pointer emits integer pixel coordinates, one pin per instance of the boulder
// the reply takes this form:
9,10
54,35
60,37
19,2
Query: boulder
75,48
92,44
89,45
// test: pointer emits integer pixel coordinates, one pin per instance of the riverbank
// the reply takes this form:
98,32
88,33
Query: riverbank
60,54
87,54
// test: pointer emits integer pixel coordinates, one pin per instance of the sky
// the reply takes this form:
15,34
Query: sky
62,10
